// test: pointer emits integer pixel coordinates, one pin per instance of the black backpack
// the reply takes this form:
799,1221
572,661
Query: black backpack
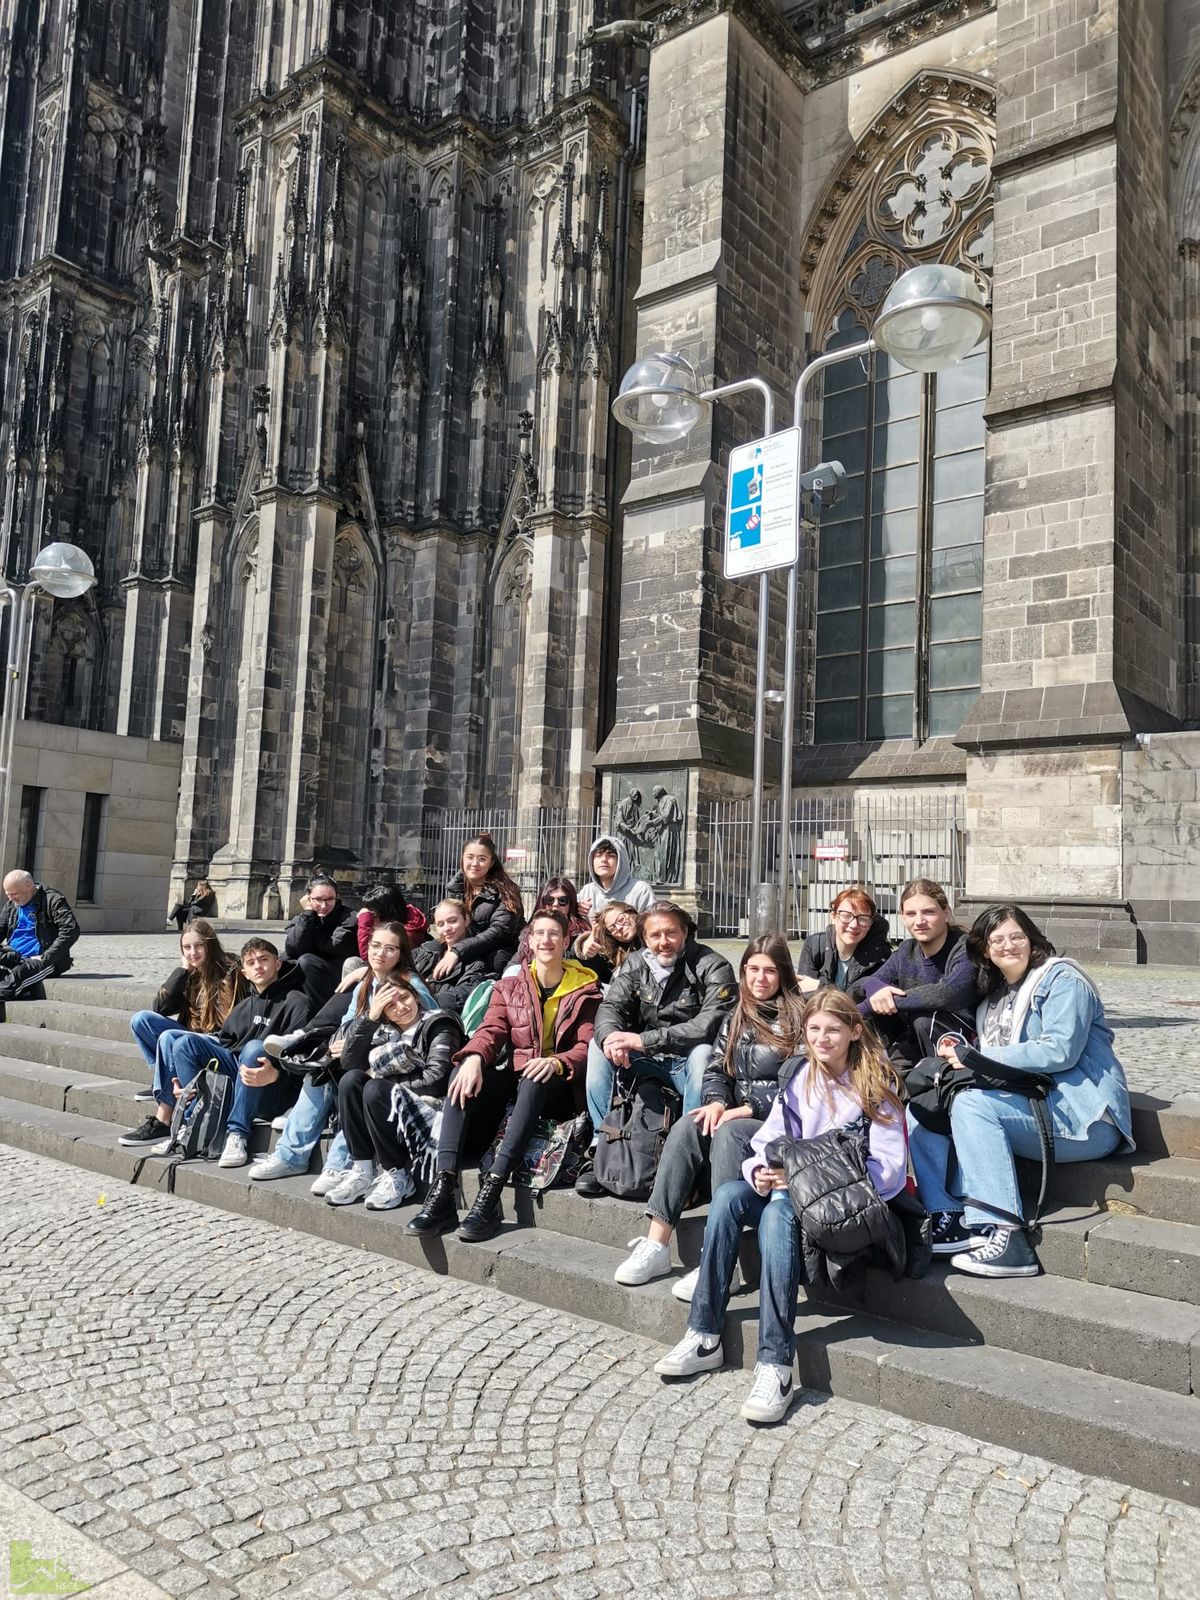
630,1143
201,1116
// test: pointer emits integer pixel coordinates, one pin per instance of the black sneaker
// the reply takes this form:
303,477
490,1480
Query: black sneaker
144,1095
152,1131
1006,1254
948,1235
589,1186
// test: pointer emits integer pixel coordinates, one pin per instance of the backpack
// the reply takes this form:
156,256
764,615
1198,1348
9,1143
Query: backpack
554,1156
198,1122
630,1143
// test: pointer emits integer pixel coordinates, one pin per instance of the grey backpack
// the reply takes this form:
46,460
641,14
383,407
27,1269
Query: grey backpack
201,1116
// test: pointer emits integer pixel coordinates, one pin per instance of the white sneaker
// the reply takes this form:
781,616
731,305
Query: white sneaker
771,1394
234,1154
356,1183
391,1189
278,1044
329,1179
649,1260
279,1123
684,1288
695,1352
273,1167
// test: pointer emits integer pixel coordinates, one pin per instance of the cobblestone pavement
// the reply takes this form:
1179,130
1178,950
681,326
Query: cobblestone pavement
236,1410
1154,1010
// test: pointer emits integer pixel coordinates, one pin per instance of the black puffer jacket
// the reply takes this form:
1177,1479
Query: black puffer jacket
760,1071
841,1213
333,938
451,993
426,1061
672,1019
819,957
494,930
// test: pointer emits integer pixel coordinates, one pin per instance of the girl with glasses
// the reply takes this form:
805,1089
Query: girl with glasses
853,946
1038,1012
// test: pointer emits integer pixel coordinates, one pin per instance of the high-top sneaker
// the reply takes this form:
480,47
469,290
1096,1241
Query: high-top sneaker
485,1216
439,1214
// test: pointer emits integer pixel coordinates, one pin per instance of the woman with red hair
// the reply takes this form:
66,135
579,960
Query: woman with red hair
854,945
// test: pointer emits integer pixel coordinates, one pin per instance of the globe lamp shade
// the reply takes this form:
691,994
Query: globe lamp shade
933,316
659,399
63,570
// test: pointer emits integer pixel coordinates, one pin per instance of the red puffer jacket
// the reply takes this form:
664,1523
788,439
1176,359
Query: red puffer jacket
513,1022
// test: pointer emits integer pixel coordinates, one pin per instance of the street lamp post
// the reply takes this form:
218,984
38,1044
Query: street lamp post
932,317
59,572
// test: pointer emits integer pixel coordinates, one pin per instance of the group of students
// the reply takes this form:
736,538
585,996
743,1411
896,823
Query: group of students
435,1045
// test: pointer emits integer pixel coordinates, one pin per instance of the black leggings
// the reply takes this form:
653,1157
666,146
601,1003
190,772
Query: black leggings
486,1111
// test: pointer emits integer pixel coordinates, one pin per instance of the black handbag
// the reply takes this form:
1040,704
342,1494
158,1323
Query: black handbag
630,1143
933,1085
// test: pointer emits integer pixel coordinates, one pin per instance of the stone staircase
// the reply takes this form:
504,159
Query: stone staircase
1096,1364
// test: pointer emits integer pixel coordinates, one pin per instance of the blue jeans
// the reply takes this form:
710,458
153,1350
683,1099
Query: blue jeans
304,1126
194,1052
686,1073
988,1128
153,1035
736,1206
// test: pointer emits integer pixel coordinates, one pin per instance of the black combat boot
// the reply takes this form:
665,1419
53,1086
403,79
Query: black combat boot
485,1216
439,1214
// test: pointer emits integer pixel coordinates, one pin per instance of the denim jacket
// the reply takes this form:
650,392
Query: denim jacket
1064,1032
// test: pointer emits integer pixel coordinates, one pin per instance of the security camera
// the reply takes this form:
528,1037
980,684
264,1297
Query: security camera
824,482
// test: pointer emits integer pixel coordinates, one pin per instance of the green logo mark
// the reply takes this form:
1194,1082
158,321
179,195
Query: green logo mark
30,1574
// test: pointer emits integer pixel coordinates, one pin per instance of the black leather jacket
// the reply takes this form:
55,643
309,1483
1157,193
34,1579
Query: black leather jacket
760,1071
423,1066
57,927
686,1011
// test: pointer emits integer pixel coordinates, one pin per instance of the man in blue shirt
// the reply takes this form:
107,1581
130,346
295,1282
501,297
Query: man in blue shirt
37,930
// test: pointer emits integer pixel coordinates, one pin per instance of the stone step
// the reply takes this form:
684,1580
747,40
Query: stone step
53,1048
64,1016
90,989
1089,1420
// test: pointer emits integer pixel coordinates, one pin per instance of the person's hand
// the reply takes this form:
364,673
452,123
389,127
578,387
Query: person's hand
257,1077
467,1081
304,905
380,1001
708,1118
883,1001
808,985
619,1046
948,1047
589,944
541,1069
733,1113
336,1046
767,1179
350,980
445,966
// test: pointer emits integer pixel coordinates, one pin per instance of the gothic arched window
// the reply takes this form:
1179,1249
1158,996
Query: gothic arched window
897,645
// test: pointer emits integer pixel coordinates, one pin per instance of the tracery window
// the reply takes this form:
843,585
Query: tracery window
897,638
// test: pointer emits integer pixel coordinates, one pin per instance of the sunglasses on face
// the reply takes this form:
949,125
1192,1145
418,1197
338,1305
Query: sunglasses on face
557,900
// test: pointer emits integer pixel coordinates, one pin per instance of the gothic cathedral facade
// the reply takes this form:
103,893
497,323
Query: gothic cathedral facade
310,319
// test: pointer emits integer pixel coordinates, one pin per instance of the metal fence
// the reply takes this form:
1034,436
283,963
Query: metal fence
877,840
533,845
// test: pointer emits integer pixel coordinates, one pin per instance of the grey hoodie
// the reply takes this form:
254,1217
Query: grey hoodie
633,891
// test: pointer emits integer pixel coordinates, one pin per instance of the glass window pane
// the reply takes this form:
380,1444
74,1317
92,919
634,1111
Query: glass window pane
890,717
845,411
957,521
959,428
894,580
848,448
839,542
954,666
836,721
966,380
957,568
839,587
895,490
895,445
895,534
956,476
846,375
838,676
891,671
948,710
838,631
955,617
852,502
892,625
897,394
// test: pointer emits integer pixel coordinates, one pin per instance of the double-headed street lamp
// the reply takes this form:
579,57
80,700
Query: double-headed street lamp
59,572
932,317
